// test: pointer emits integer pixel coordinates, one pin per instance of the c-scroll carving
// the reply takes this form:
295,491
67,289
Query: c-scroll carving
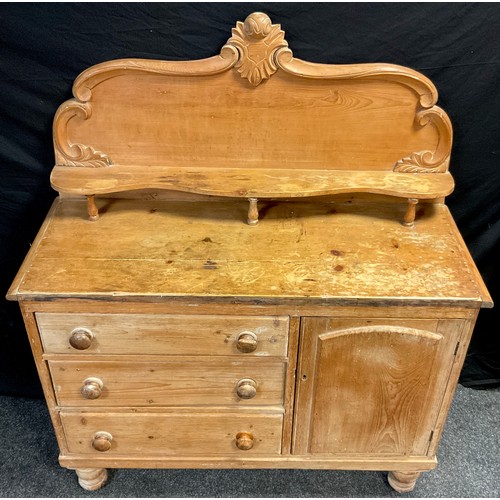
430,161
95,75
257,40
75,154
419,83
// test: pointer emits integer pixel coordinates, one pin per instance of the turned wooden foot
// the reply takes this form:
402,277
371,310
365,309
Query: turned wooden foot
403,482
92,479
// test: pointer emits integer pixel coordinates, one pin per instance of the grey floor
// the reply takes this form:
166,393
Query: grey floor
469,463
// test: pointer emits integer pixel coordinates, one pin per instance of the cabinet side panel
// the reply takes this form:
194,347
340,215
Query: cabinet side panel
458,361
44,374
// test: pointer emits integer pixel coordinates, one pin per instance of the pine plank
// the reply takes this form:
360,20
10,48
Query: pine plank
299,250
259,183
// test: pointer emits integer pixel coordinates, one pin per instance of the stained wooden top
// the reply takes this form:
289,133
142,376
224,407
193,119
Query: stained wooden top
319,252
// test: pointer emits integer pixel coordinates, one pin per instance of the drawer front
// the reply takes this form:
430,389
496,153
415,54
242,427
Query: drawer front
164,334
176,382
172,434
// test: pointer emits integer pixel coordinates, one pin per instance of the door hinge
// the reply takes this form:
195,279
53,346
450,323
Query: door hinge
431,436
456,348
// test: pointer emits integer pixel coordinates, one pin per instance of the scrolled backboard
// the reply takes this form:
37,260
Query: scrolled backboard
252,121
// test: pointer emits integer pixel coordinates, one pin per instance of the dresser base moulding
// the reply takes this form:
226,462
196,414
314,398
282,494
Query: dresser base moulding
320,462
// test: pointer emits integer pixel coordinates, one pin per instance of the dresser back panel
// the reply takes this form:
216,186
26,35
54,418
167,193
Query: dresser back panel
216,126
221,121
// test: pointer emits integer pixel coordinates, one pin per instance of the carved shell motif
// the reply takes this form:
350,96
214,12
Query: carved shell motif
257,40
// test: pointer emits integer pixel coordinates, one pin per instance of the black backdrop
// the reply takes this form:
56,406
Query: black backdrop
43,47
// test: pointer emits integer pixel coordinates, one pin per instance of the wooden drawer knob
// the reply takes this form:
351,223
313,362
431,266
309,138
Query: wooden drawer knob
246,342
102,441
244,440
91,388
246,388
81,338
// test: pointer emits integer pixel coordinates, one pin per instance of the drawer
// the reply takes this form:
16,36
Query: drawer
172,433
164,334
177,381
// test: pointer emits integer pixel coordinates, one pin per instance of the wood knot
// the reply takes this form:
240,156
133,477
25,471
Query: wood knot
210,264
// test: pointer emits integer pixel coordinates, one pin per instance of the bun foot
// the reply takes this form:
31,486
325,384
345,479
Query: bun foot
92,479
403,482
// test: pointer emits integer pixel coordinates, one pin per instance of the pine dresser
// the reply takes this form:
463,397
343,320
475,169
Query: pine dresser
250,265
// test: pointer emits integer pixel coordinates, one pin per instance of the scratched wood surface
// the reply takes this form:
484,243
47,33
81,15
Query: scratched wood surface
206,250
261,183
163,334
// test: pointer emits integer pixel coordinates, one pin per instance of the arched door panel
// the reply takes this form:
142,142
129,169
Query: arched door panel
371,386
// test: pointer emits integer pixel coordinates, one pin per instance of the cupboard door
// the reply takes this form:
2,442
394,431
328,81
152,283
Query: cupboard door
371,386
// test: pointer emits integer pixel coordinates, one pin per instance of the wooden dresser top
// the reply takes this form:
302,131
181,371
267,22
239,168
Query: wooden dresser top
319,252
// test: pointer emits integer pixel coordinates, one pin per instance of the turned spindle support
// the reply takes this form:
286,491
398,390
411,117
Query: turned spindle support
409,218
92,479
92,209
403,482
253,212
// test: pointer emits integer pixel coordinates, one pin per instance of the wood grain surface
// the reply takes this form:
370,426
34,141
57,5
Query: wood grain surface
323,251
163,434
217,120
249,182
235,461
164,334
137,123
372,386
174,381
